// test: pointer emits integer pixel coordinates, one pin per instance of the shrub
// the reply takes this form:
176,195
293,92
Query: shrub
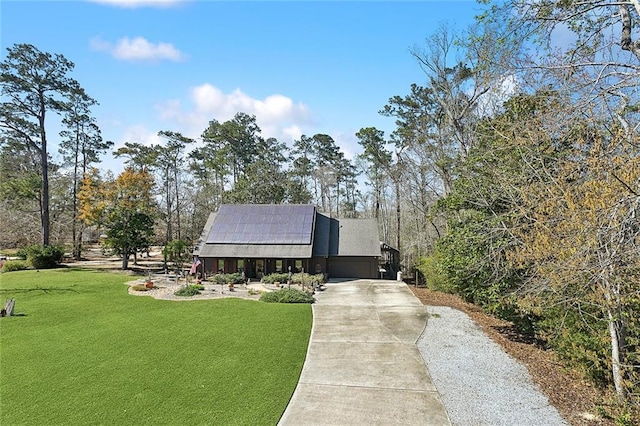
21,253
218,278
190,290
14,265
319,278
235,278
139,287
43,257
273,278
434,276
287,295
307,279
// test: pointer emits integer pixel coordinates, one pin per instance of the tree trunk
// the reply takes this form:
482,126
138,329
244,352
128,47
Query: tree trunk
397,185
45,198
169,206
44,165
616,330
616,364
177,187
77,251
125,258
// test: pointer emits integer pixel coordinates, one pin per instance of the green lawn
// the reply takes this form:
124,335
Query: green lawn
86,352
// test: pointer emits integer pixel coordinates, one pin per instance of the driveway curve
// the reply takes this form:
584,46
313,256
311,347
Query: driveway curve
362,364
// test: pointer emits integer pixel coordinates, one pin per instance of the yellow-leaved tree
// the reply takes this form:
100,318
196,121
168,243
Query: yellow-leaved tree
123,206
581,244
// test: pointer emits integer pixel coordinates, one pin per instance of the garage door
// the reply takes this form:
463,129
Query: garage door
350,268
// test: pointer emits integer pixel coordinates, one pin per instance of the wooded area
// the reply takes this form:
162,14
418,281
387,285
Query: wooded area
512,177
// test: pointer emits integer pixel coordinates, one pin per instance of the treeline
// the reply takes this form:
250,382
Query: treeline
542,195
512,177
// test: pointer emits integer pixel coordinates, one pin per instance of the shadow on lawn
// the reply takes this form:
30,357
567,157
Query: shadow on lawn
42,289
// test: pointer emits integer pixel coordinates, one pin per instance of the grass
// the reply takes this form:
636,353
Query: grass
83,351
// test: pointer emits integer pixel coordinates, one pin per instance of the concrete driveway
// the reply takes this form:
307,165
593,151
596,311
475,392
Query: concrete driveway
362,365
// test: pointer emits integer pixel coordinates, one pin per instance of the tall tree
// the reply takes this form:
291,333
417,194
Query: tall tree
301,170
422,129
234,143
137,156
82,146
169,162
346,188
454,88
326,160
377,158
587,50
264,181
34,83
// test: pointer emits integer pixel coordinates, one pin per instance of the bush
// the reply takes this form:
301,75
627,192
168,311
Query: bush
190,290
235,278
42,257
22,253
218,278
306,279
14,265
434,276
287,295
297,278
139,287
275,278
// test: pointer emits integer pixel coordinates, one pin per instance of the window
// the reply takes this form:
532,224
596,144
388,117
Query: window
278,265
220,265
240,265
298,265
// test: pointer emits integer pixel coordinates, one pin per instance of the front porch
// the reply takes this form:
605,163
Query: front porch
256,268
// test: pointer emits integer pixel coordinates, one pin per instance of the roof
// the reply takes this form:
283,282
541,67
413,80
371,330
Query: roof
285,231
263,224
356,237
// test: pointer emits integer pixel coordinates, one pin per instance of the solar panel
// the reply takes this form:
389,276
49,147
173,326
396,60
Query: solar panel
263,224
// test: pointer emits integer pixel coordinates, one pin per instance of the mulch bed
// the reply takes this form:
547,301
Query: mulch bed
574,397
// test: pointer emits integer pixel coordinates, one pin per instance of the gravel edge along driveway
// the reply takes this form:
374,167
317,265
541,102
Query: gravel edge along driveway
478,382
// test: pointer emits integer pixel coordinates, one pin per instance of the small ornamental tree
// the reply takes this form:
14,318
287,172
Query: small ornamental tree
129,232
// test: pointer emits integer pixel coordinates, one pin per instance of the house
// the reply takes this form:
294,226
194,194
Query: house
260,239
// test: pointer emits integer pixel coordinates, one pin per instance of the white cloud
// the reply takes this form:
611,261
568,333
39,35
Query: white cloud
347,142
277,115
131,4
139,49
293,132
138,133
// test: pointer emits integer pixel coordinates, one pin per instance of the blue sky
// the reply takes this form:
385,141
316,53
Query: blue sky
300,67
